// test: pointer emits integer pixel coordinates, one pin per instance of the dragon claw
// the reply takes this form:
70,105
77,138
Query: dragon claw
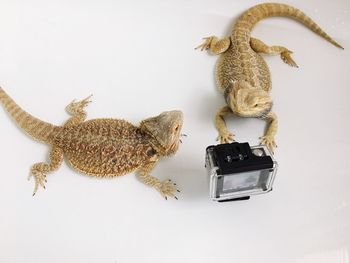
206,44
76,107
269,141
167,189
39,180
225,137
287,58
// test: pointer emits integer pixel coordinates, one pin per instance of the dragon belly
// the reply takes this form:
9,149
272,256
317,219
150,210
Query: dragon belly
108,160
242,64
104,147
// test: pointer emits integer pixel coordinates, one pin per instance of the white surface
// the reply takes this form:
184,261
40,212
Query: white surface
137,58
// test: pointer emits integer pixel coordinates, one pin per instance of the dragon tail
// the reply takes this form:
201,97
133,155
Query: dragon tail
35,128
253,15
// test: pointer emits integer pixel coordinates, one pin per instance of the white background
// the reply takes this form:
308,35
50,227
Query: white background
138,59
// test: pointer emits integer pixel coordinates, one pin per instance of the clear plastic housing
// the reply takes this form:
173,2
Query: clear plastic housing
238,185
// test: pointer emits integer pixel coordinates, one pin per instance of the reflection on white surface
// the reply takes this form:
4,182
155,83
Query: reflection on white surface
241,181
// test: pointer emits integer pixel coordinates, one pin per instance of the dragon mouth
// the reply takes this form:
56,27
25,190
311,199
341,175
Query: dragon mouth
174,147
242,114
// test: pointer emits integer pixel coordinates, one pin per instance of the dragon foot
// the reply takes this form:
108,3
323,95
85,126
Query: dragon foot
77,107
167,189
269,141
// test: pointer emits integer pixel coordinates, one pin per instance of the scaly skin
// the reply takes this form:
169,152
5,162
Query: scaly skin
241,73
102,147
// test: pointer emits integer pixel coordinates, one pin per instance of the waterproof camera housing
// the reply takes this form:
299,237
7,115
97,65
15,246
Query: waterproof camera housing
237,171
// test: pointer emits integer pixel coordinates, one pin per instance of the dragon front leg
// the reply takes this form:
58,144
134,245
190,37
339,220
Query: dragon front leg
269,138
166,188
224,135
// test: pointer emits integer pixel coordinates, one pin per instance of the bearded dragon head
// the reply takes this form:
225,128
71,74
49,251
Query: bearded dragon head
247,101
165,130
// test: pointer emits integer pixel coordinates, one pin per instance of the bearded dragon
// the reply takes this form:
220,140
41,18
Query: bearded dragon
241,73
102,147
